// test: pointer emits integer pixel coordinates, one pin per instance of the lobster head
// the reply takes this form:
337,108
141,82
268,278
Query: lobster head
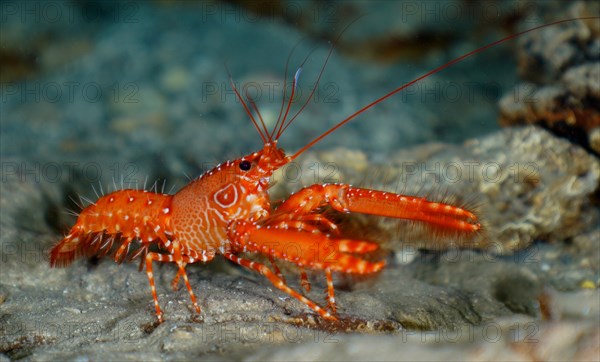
258,167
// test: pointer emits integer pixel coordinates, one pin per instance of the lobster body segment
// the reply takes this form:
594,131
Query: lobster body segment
124,215
203,209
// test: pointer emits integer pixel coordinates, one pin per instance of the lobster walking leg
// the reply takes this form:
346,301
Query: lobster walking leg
346,198
277,282
306,222
276,268
330,291
158,257
181,263
304,280
175,281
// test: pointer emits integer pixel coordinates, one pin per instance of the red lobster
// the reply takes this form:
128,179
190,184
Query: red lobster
228,211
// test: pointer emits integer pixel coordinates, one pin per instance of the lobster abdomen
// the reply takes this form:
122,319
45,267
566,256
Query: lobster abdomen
122,215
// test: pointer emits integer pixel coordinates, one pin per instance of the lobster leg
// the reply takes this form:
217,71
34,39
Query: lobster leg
277,282
175,281
149,258
330,291
186,259
318,222
346,198
276,268
304,280
181,261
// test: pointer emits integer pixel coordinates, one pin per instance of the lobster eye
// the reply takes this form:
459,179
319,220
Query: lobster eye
245,165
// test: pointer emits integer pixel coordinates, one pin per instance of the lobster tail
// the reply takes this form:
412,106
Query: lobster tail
78,244
69,248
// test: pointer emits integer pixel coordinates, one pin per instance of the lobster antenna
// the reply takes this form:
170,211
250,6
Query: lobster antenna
282,128
294,85
287,63
312,92
289,104
262,122
431,72
248,112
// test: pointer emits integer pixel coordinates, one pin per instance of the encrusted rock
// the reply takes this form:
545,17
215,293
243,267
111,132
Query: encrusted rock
561,66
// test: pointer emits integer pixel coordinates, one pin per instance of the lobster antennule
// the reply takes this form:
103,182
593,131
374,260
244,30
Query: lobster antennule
281,127
287,64
248,112
262,121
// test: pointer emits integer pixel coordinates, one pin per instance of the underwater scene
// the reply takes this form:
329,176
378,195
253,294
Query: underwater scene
300,180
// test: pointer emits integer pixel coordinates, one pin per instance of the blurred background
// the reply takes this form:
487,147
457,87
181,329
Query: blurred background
145,82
